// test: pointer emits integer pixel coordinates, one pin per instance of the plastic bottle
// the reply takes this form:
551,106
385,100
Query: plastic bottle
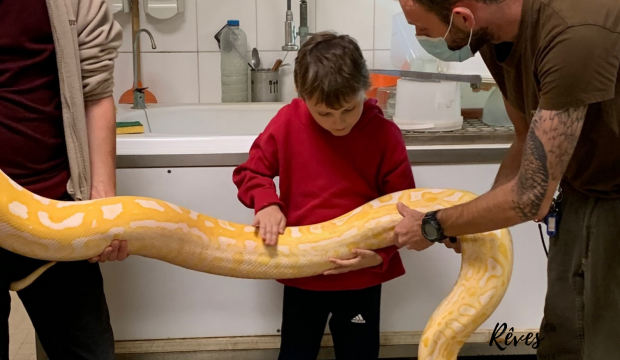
234,63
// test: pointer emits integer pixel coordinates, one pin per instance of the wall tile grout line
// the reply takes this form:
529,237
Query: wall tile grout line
198,74
316,6
198,51
374,25
374,33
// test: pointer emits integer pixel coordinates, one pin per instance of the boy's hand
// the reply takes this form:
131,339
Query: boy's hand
363,259
270,222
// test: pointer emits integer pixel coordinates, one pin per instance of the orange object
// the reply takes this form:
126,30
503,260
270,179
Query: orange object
127,97
378,81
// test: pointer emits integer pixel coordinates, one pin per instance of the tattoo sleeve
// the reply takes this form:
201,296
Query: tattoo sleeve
549,146
511,164
547,150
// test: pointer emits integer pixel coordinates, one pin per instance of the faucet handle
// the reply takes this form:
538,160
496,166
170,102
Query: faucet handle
140,89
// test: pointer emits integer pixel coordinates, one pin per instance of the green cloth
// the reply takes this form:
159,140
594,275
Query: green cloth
123,124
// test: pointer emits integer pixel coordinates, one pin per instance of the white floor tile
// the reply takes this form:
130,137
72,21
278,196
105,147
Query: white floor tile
21,332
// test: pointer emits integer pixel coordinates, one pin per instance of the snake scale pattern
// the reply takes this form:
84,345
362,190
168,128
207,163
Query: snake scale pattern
50,230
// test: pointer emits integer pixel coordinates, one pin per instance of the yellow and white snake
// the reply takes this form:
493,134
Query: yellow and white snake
68,231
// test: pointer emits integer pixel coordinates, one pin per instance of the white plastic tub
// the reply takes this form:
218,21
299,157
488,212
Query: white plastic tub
428,106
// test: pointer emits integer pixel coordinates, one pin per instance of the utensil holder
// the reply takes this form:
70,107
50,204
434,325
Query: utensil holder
265,85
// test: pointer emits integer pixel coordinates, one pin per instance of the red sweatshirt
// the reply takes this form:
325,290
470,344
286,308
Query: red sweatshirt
323,176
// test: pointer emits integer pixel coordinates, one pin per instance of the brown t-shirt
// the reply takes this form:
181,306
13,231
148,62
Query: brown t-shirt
567,54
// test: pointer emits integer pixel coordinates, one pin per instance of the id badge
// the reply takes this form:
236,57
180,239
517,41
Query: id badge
552,223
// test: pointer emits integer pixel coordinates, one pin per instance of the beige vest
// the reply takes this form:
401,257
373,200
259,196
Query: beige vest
86,39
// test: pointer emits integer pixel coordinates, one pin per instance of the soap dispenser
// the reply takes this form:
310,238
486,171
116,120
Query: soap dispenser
163,9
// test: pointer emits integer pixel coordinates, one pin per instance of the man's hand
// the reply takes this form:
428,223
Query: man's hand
548,149
117,251
271,223
101,127
362,259
454,246
408,232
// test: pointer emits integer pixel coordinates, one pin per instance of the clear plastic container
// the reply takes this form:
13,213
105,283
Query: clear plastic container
384,96
234,63
494,112
407,53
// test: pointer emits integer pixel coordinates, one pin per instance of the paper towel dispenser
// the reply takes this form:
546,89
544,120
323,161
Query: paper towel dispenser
119,6
163,9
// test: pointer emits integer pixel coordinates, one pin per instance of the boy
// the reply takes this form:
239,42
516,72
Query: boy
333,151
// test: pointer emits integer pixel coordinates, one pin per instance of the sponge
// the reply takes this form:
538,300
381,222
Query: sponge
129,127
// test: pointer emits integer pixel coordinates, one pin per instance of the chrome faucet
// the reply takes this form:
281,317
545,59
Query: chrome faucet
290,32
138,93
304,30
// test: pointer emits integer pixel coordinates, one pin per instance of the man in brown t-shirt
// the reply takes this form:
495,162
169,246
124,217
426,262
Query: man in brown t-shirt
557,64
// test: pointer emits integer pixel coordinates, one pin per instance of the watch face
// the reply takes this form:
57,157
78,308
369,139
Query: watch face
430,232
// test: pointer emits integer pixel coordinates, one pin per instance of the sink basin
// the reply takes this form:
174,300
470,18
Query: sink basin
194,128
245,119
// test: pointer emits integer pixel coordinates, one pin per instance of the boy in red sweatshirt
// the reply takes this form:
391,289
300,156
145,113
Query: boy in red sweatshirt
333,152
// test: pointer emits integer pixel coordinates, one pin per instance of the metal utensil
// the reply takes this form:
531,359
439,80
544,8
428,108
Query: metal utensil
255,59
474,80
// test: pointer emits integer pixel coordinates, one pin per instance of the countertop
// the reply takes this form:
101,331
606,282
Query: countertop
474,131
475,142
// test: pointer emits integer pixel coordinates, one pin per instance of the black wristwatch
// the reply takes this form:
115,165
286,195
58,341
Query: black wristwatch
431,229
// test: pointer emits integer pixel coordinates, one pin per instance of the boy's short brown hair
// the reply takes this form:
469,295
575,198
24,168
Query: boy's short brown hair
332,68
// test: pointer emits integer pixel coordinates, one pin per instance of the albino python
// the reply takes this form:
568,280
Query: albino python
66,231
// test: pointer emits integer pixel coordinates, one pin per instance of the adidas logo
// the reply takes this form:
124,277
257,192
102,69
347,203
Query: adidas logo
358,320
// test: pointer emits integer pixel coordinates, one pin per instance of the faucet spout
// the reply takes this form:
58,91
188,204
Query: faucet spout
304,30
138,94
290,33
135,51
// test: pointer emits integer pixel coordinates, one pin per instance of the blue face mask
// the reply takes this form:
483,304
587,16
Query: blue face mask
438,47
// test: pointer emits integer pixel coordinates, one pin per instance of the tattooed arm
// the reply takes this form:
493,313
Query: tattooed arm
509,168
567,85
549,145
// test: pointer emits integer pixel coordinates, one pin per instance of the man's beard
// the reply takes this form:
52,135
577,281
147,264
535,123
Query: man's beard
459,38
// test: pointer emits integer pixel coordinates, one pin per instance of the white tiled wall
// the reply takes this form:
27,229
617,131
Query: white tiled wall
185,66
